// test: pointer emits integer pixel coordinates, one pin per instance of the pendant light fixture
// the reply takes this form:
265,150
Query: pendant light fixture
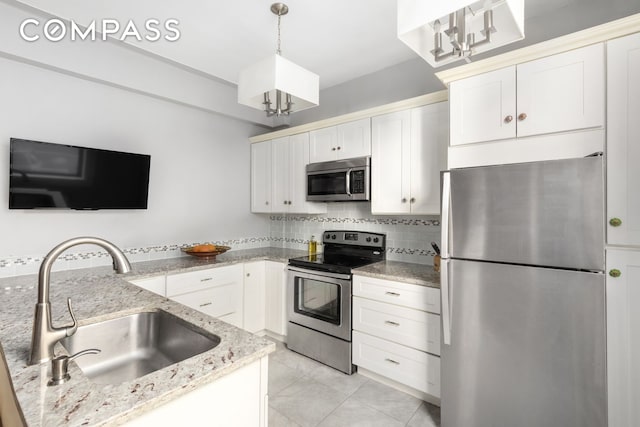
445,31
277,85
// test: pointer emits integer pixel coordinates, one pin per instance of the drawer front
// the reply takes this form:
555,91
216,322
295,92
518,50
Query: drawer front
217,301
406,326
404,294
183,283
153,284
402,364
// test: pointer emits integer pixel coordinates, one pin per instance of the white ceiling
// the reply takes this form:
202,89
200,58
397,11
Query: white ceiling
337,39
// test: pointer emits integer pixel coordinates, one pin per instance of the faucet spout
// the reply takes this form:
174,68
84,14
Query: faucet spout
45,336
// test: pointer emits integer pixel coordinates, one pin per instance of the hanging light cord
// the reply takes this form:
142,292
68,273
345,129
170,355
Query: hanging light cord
278,51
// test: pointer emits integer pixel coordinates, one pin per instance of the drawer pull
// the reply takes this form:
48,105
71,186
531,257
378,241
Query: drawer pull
389,322
206,304
392,361
393,294
206,279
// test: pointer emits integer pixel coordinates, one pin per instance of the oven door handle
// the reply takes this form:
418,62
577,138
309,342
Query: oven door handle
314,274
348,182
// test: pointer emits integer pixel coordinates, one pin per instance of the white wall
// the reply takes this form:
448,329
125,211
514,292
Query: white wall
199,183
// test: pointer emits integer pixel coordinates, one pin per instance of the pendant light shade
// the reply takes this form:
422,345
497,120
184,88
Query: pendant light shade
445,31
277,85
276,73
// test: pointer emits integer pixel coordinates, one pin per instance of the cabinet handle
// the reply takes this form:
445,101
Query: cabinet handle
248,274
615,222
404,200
338,148
392,361
285,202
205,304
615,273
266,203
206,279
333,149
389,322
413,200
289,201
508,119
393,294
522,116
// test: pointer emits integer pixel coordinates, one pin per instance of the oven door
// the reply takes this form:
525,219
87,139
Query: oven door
320,301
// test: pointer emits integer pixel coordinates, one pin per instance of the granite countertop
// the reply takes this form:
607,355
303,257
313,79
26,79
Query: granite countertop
99,294
417,274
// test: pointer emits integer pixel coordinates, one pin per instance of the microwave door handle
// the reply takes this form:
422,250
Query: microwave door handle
348,182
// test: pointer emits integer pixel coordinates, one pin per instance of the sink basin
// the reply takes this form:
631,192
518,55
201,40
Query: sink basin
136,345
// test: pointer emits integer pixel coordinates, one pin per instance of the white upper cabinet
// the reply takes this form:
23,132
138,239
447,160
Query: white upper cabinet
343,141
559,93
483,107
408,152
623,141
278,176
261,177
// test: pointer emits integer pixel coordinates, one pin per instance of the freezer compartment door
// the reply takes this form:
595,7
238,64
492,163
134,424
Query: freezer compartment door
542,213
527,347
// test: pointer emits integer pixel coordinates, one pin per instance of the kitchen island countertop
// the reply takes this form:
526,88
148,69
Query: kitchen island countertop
98,294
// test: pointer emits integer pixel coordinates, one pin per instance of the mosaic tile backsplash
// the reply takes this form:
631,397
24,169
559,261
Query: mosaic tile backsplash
408,239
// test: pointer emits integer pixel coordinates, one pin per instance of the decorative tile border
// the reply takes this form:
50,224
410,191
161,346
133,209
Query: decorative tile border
17,266
378,221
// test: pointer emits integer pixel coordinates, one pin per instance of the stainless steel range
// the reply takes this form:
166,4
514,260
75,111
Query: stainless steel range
319,296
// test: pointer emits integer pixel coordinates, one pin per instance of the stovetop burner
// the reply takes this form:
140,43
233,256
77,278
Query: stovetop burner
345,250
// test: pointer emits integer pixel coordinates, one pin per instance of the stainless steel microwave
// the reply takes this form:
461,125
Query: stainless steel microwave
339,180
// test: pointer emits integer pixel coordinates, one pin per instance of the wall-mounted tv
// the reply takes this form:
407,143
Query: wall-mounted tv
49,176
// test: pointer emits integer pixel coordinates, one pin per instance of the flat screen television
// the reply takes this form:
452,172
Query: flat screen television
49,176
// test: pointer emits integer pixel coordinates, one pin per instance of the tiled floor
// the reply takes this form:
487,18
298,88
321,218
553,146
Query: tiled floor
305,393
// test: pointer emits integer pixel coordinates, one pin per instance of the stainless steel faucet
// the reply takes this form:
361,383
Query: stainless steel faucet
45,336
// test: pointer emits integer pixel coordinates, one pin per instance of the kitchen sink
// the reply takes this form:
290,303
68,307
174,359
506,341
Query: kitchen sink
136,345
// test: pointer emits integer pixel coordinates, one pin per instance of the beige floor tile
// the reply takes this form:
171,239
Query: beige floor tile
394,403
352,413
307,402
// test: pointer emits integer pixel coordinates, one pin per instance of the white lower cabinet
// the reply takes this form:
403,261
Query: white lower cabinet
217,292
623,337
276,298
414,368
254,296
396,332
237,399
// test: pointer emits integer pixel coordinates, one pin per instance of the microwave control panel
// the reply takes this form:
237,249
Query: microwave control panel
357,182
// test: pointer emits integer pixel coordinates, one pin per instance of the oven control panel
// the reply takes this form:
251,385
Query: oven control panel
356,238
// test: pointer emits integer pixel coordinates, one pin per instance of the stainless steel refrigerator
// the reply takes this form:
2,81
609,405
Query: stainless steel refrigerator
523,295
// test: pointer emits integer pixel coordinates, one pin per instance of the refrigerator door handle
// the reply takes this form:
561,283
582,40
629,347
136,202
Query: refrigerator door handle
446,301
445,209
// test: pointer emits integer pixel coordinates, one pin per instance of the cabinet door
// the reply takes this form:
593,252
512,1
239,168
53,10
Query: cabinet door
429,140
280,176
562,92
623,343
298,160
323,144
276,307
623,140
261,177
254,296
483,107
390,160
354,139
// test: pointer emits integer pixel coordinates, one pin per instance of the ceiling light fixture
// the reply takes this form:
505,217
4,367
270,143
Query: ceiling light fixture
277,85
422,24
